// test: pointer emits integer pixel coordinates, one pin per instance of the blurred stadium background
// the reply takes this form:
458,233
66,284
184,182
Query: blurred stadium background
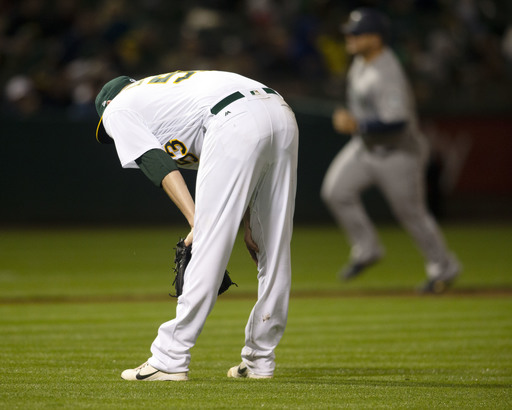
379,348
56,55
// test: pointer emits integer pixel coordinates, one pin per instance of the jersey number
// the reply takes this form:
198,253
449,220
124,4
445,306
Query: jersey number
176,147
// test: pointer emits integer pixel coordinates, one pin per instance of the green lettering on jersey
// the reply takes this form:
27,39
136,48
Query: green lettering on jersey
187,75
188,159
159,79
174,146
163,78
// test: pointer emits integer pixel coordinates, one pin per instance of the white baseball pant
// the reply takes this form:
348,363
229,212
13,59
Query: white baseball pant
249,158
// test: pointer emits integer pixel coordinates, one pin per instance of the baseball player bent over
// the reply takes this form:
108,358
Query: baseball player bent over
386,150
242,138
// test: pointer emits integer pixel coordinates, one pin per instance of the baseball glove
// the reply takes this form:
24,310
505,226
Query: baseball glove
181,259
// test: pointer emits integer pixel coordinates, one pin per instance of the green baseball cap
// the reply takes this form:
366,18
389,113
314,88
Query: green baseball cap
107,93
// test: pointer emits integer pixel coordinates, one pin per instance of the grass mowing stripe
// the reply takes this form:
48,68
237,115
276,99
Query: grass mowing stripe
356,352
135,263
336,353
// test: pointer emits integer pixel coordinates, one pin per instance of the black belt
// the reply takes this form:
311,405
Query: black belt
232,98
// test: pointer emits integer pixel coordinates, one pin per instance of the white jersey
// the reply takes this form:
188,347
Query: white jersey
247,138
169,112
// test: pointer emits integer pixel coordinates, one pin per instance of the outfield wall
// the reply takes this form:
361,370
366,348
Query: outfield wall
54,172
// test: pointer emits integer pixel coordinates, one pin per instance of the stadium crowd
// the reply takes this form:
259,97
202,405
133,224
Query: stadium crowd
56,54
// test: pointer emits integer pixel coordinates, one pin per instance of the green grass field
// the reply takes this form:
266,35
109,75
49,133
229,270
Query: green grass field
77,306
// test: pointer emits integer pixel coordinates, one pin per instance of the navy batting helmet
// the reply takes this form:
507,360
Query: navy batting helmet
366,20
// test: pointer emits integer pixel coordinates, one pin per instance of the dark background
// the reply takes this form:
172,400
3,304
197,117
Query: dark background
56,55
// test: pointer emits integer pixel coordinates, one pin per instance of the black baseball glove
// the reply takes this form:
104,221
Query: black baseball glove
181,260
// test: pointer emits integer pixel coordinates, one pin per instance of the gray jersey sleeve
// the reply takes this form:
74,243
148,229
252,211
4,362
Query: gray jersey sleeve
391,99
378,92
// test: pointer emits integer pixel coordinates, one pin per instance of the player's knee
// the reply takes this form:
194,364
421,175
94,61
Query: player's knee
329,196
409,214
338,197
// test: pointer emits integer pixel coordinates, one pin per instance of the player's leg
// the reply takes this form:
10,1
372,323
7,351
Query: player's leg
271,222
347,176
231,164
402,182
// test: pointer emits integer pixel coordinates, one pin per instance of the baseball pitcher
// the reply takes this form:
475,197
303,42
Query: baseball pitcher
386,150
242,138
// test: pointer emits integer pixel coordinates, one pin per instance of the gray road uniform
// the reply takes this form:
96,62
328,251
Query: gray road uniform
389,152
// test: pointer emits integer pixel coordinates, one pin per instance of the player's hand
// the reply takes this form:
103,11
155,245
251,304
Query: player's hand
190,237
344,122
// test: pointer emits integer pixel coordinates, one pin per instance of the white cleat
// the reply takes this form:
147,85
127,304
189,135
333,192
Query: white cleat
241,371
147,372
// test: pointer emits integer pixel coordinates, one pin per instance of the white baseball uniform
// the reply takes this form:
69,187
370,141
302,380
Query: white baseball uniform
245,152
393,161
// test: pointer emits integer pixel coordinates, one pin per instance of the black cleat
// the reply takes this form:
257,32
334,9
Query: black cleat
356,268
436,286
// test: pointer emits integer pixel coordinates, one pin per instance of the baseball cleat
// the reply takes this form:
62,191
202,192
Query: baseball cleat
241,371
435,286
354,268
443,281
148,373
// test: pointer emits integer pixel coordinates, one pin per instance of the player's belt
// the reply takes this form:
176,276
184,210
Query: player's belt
232,98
